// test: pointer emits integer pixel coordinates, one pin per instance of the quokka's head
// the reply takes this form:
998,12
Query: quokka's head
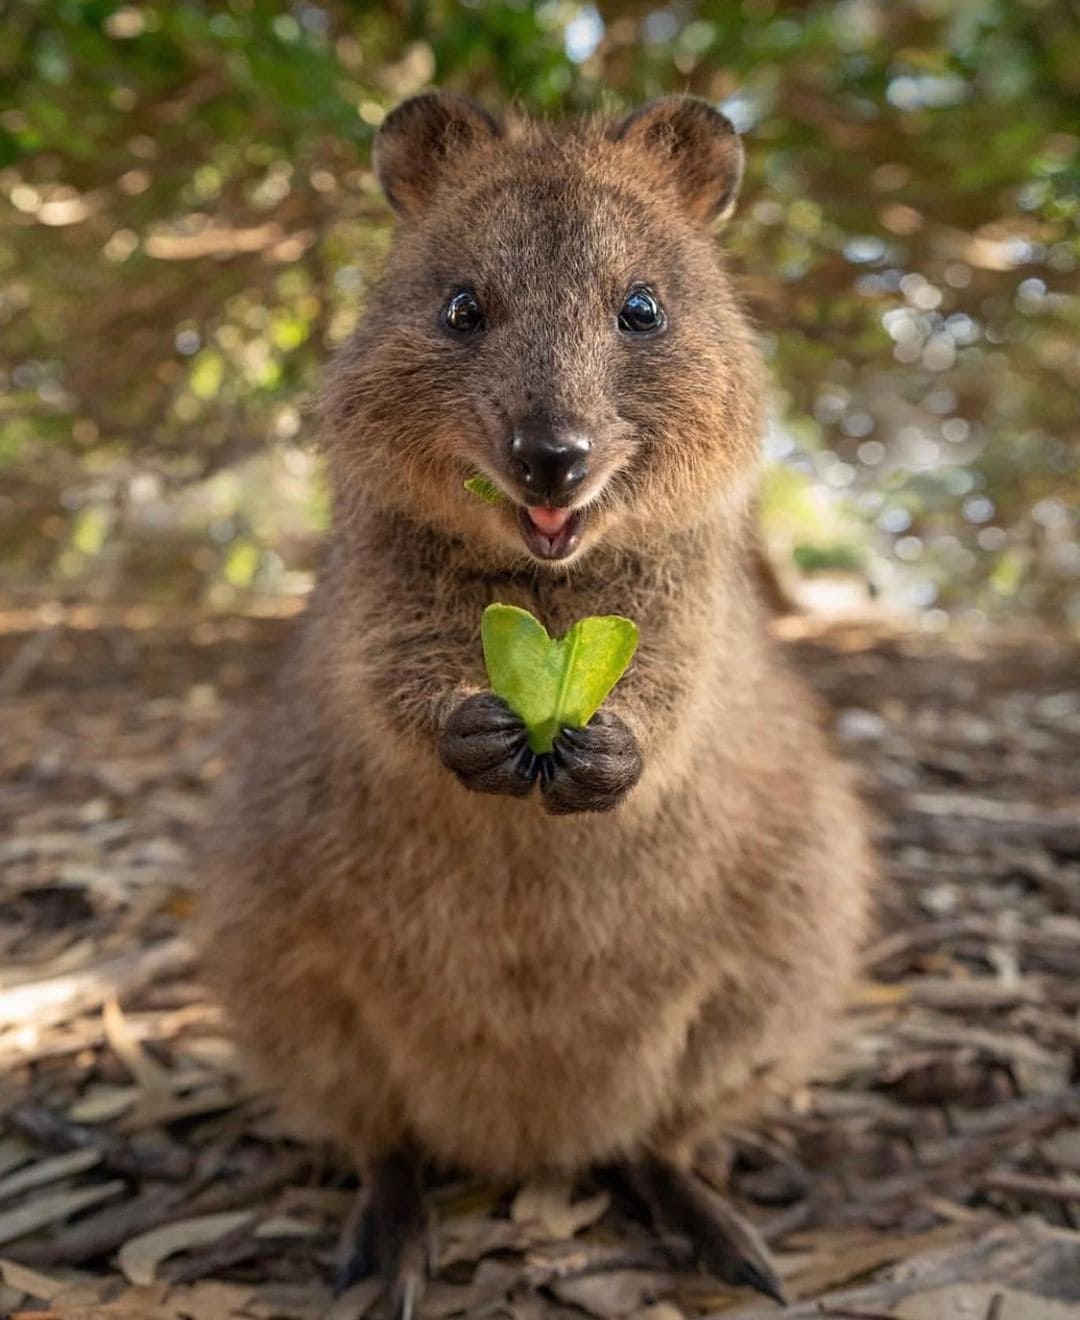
554,316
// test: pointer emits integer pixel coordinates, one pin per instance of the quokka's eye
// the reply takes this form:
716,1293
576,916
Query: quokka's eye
462,313
641,313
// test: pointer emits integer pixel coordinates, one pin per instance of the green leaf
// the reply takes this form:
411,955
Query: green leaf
487,490
554,683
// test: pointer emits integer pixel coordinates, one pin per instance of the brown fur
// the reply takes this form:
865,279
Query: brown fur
410,961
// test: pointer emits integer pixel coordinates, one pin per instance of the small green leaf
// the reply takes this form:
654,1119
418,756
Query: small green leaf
554,683
487,490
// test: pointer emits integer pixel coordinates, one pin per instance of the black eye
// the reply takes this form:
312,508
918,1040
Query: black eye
462,314
641,314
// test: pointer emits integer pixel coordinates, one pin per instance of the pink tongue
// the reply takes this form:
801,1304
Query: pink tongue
549,521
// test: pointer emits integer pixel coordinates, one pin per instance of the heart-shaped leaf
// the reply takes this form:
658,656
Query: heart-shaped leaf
487,490
554,683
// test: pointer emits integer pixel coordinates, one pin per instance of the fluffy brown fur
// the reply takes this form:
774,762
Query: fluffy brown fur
508,989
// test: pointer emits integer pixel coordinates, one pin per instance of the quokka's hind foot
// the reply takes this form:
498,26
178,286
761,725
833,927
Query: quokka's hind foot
390,1233
677,1200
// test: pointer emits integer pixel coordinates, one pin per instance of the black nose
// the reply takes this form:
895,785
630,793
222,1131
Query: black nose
549,460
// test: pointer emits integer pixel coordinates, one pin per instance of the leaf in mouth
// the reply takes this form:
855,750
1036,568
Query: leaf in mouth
554,683
487,490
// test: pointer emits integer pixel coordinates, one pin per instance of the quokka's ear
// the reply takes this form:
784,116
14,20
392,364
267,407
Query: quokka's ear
696,148
423,137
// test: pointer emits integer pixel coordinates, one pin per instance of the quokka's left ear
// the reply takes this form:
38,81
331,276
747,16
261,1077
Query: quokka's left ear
696,148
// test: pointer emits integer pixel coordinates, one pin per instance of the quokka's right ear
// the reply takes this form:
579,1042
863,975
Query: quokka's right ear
421,138
694,146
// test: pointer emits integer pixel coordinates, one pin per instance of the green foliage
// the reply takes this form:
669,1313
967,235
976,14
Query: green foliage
551,683
191,224
815,558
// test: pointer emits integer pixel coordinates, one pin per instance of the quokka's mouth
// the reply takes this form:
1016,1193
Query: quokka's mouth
550,533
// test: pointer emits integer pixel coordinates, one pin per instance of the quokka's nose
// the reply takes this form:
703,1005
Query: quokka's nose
549,461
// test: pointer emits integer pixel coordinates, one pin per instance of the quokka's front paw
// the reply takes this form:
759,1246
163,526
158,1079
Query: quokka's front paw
590,769
487,747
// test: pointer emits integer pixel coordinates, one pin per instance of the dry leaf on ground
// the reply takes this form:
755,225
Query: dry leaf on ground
140,1256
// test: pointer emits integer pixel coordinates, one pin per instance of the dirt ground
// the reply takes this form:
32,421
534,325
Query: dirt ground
931,1171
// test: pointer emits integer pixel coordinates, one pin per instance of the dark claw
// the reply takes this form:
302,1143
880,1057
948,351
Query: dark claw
764,1282
391,1233
723,1242
486,745
406,1293
731,1249
590,769
362,1261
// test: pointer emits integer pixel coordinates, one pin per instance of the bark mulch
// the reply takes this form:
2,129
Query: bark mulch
931,1170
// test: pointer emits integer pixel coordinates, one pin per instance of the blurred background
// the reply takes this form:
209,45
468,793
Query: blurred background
191,225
